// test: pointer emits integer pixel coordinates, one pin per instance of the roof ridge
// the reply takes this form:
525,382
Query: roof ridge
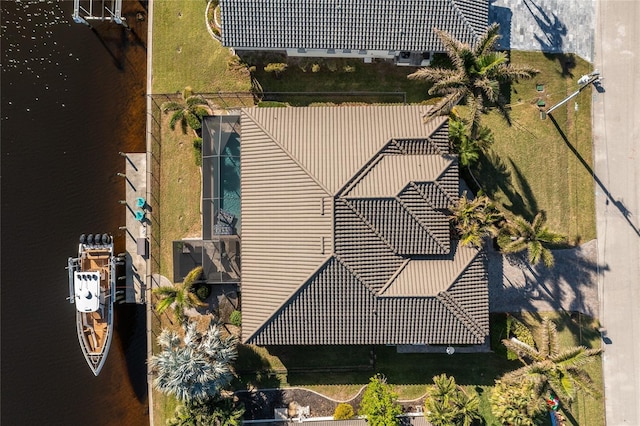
286,151
420,224
393,277
361,173
370,226
463,17
287,299
457,310
354,273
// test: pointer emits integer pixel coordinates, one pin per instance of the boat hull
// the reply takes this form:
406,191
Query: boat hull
92,282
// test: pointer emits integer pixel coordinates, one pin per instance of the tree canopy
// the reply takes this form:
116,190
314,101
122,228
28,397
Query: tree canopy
476,75
379,403
196,367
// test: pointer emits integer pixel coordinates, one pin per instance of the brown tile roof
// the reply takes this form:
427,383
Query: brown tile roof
354,253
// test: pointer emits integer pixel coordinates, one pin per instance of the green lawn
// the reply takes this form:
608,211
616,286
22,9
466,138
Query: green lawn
184,54
335,75
538,166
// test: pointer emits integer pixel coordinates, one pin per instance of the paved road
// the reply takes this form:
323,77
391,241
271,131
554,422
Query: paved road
616,125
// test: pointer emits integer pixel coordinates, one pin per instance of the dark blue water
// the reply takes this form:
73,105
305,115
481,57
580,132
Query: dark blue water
72,97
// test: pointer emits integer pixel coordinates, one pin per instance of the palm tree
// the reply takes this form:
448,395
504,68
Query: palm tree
189,112
447,403
516,404
476,75
468,148
547,367
519,235
475,219
195,368
179,296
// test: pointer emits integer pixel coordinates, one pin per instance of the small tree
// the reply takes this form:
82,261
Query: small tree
379,403
277,68
343,411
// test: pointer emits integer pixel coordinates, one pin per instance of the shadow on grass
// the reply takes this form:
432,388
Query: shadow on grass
610,199
334,80
496,176
336,365
254,370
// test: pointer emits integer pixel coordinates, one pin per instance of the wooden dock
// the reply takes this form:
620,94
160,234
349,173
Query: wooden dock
137,242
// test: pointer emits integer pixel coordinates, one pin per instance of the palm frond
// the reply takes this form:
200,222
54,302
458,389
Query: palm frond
487,42
170,106
583,381
535,251
490,62
511,72
522,349
432,74
193,276
444,107
451,46
176,117
163,304
195,100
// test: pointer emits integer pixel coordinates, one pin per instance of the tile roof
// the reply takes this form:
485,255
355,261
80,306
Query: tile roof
394,25
354,253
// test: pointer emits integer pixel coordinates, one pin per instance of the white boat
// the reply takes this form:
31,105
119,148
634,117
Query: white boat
92,278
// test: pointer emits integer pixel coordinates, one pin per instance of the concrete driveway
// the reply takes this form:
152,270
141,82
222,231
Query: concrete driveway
616,130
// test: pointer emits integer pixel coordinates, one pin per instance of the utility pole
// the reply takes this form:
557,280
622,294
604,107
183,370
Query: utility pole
584,81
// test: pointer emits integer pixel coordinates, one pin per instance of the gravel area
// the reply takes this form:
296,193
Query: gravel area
261,403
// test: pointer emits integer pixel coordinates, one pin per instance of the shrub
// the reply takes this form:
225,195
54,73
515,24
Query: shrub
236,318
277,68
343,411
332,66
272,104
517,329
349,68
197,151
315,68
203,291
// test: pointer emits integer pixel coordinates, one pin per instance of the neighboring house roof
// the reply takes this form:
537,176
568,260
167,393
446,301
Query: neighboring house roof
345,236
395,25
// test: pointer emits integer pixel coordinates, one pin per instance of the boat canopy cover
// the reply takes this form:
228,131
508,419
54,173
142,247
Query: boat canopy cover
87,290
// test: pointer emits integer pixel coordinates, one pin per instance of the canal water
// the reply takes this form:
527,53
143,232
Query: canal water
72,98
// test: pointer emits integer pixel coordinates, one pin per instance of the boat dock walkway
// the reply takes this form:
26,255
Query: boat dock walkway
137,242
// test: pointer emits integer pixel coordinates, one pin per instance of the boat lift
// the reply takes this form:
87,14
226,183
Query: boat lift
98,10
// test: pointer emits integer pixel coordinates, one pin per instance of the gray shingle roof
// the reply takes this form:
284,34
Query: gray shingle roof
395,25
373,265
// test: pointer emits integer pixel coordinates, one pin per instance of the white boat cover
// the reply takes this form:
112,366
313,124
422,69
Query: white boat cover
87,290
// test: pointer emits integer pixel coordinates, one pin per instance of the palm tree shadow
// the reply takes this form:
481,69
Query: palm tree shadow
610,199
552,29
496,176
570,286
